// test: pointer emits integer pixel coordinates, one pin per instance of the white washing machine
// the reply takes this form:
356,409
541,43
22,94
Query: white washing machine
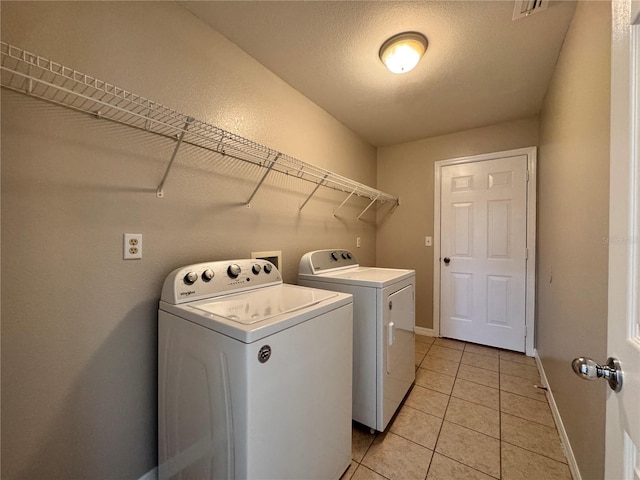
383,329
252,381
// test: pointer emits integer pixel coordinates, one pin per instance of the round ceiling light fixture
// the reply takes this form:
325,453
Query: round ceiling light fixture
402,52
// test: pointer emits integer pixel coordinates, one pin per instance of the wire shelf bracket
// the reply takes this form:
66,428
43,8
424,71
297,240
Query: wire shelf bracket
159,191
41,78
312,193
345,201
367,207
269,168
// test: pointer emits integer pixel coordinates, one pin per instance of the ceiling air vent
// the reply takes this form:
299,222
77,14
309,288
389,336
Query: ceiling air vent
524,8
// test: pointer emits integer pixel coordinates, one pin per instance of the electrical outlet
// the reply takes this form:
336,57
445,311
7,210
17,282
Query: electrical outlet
428,241
132,246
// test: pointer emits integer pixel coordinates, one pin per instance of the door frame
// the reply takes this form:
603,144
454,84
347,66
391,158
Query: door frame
624,229
530,277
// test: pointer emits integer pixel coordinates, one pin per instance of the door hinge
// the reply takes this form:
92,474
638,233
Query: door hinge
526,254
527,175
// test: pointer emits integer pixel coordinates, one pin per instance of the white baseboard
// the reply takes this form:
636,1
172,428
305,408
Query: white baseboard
564,438
429,332
150,475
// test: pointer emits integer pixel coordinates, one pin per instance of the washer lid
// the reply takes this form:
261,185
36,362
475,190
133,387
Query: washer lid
261,304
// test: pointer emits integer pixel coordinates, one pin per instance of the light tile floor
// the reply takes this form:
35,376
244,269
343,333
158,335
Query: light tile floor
473,413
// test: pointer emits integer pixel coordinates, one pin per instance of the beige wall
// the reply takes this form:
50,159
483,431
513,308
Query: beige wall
573,204
408,170
79,323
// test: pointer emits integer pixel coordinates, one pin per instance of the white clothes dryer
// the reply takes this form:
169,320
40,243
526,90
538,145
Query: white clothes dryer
383,329
252,381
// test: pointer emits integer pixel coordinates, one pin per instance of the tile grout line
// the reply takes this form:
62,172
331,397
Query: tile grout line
500,392
536,453
525,419
529,420
469,428
468,466
463,426
426,475
435,446
474,402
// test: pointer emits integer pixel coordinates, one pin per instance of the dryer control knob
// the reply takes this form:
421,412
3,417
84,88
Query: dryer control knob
344,255
234,270
190,278
267,268
207,275
256,269
334,255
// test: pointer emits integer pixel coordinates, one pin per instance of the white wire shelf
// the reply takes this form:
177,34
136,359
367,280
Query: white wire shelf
42,78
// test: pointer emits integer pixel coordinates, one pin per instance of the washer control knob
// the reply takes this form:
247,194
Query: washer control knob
344,255
256,269
190,278
334,255
234,270
267,268
207,275
349,256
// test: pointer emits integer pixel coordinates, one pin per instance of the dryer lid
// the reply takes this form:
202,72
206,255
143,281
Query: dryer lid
371,274
361,276
261,304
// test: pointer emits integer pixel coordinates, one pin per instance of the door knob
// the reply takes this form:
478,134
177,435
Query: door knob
587,369
446,260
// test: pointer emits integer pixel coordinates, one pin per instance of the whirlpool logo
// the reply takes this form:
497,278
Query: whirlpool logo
187,293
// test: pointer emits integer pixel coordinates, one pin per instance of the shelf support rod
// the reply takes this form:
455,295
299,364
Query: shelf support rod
255,190
368,206
345,201
312,193
159,192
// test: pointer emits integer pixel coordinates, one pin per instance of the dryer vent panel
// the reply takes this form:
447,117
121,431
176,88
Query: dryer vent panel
524,8
274,257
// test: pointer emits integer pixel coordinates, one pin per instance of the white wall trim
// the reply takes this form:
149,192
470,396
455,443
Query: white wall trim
564,438
427,332
150,475
531,153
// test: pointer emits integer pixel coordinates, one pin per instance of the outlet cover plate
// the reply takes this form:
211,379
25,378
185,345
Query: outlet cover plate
132,246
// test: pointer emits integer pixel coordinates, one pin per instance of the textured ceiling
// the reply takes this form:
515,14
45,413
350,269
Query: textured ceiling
480,67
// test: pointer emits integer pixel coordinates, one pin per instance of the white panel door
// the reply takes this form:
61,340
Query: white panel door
483,239
622,457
